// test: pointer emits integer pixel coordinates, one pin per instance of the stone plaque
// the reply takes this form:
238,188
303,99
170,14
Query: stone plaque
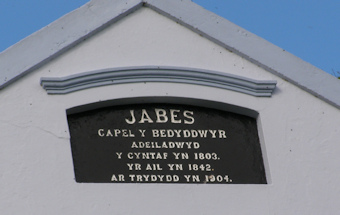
165,143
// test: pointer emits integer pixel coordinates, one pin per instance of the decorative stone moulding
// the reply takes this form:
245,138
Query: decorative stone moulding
86,80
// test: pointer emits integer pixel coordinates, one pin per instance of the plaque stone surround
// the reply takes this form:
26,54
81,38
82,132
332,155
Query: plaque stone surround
165,143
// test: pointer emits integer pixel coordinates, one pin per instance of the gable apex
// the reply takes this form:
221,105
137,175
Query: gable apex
66,32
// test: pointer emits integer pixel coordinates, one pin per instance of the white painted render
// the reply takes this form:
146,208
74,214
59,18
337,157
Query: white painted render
299,133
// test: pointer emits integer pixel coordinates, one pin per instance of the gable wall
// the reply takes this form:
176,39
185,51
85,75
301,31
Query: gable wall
298,132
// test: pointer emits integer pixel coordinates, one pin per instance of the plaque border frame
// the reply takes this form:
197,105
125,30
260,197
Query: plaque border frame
185,101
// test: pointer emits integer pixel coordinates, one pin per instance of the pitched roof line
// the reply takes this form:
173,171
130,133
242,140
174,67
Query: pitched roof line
94,16
61,35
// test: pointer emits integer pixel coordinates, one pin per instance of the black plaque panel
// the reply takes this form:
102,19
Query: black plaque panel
165,143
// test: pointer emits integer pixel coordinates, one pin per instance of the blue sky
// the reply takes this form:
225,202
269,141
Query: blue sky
309,29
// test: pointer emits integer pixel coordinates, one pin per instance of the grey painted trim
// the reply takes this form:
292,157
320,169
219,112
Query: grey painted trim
96,15
208,78
252,48
61,35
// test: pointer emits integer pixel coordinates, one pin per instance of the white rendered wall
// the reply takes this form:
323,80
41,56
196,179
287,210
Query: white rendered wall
299,133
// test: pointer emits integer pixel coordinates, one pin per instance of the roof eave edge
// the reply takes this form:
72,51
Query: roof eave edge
247,45
18,60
